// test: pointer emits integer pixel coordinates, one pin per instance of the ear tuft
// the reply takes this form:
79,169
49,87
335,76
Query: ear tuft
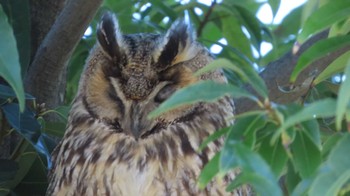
177,45
109,35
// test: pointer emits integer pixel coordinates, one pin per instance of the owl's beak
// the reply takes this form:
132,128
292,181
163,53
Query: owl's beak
137,124
138,129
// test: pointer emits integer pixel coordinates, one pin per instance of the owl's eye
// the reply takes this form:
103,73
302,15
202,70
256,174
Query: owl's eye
165,93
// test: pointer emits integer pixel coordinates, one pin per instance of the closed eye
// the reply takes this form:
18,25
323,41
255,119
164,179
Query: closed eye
165,93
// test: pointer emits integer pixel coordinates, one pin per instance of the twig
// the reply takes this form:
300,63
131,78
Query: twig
206,18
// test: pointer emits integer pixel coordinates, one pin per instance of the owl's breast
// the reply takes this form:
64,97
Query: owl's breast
164,164
94,159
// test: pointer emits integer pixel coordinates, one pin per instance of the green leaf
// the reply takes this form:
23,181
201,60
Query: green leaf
35,181
253,6
254,124
47,144
8,170
10,68
164,9
302,188
338,159
335,172
252,24
55,128
231,27
19,17
289,26
329,184
252,164
7,93
306,155
292,178
274,4
312,130
258,182
343,98
246,73
324,89
63,112
229,157
318,109
340,28
330,142
330,13
242,126
256,81
25,156
337,66
4,191
216,135
211,31
317,51
219,64
209,171
26,125
275,155
202,91
309,7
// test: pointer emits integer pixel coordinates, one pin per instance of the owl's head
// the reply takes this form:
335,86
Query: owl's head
128,76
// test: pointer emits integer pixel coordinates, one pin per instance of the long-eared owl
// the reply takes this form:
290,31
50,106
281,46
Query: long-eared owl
111,147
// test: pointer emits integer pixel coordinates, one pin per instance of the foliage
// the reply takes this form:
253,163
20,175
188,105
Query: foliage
9,59
303,145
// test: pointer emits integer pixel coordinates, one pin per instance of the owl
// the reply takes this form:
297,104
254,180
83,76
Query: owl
111,147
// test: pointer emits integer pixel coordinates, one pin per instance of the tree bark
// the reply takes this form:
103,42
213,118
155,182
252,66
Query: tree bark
46,73
43,14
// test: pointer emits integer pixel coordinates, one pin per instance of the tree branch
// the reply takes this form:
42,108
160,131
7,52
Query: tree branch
43,14
45,75
277,74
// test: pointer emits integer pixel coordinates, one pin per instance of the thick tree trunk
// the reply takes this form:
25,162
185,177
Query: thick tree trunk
56,41
43,15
